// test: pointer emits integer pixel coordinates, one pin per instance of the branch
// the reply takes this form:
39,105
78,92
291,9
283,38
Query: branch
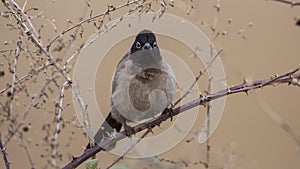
197,78
130,148
114,8
292,3
35,97
290,78
29,156
58,119
30,32
4,154
280,121
32,73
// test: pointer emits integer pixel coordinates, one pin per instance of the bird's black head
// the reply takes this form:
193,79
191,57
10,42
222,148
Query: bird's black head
145,48
144,40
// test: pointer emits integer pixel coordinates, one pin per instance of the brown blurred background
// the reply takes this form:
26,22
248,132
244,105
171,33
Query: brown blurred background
261,41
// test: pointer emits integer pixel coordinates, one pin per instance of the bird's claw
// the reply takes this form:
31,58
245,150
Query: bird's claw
128,130
170,112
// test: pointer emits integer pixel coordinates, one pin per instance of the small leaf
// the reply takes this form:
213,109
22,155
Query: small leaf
91,164
122,167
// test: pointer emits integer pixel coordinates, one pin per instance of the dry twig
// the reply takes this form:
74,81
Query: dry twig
280,121
292,3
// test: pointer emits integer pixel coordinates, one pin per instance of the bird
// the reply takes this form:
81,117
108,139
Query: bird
143,86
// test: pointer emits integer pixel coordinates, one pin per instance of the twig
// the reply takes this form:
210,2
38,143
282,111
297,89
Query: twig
208,130
77,52
58,119
27,153
31,74
244,87
73,37
213,27
33,38
84,113
26,18
100,32
197,78
280,121
292,3
129,149
4,154
14,71
90,19
29,107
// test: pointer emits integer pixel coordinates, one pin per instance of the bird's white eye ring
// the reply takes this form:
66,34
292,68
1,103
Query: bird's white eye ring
154,45
138,45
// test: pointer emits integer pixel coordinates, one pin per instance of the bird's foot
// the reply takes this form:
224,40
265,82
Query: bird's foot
128,130
170,112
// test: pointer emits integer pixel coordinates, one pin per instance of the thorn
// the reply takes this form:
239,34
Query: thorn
163,3
228,90
274,77
74,158
170,112
158,125
150,130
246,91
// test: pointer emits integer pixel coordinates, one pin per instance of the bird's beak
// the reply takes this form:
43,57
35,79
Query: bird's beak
147,45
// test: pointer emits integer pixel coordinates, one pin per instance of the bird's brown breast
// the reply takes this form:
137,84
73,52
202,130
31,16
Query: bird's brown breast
144,83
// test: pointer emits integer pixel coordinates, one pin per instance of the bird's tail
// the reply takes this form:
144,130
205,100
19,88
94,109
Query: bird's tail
107,128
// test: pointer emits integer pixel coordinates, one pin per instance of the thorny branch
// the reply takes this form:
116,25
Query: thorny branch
289,78
15,9
58,120
29,32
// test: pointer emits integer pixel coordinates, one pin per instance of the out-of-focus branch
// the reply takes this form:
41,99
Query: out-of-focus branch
30,106
29,31
291,78
109,9
58,120
129,149
29,156
28,76
280,121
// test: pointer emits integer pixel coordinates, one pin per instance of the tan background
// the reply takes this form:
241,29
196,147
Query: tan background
246,136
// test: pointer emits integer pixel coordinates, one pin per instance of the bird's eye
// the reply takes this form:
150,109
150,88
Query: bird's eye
138,45
154,45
